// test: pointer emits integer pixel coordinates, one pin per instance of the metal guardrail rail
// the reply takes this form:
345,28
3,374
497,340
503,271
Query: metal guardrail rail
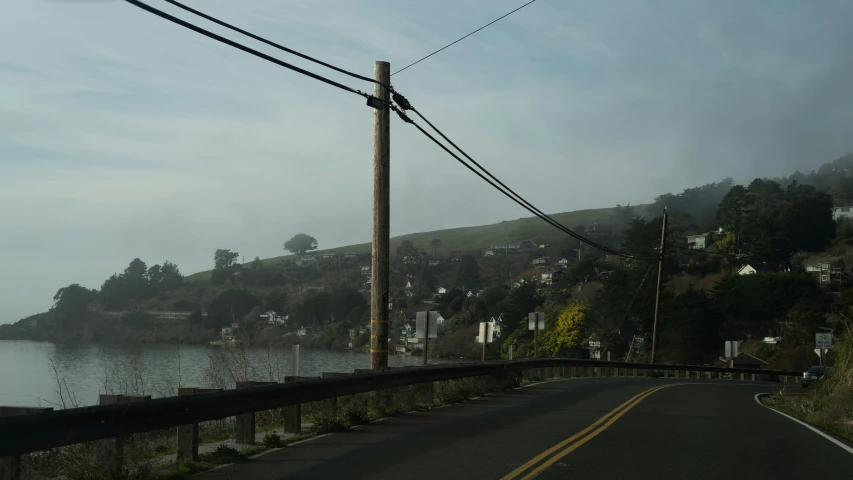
43,431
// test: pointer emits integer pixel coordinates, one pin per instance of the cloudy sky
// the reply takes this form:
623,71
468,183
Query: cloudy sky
123,135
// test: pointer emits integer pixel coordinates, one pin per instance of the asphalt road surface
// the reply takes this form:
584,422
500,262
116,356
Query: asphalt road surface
658,429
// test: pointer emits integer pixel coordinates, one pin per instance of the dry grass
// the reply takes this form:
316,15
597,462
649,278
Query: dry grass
830,404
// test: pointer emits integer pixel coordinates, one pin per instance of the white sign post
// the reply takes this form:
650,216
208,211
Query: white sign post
426,327
536,322
487,335
823,342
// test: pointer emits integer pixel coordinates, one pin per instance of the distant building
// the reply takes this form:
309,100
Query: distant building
540,261
441,291
698,242
489,253
525,246
433,263
842,212
563,262
308,258
350,255
829,271
328,255
552,276
366,269
753,269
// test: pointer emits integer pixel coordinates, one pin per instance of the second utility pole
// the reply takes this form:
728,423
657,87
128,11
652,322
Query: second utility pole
381,219
657,292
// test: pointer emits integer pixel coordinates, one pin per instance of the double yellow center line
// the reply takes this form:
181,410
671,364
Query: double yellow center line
568,445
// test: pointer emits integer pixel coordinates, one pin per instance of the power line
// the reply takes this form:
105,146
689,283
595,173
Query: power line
506,190
527,204
463,38
244,48
273,44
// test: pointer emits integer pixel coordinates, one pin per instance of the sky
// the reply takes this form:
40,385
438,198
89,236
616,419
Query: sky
123,135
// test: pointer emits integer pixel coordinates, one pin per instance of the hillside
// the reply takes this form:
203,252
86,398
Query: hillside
466,239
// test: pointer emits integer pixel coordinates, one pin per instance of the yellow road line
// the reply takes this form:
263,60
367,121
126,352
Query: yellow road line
571,448
636,398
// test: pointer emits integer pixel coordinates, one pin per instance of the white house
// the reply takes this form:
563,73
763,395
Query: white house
441,291
302,331
489,253
753,269
433,263
274,318
309,258
563,261
697,241
496,325
842,212
365,270
550,276
439,320
540,261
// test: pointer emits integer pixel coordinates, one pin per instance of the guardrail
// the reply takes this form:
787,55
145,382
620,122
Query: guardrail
43,431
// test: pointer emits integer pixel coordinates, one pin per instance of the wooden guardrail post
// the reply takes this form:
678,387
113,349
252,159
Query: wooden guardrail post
244,424
112,450
10,467
188,434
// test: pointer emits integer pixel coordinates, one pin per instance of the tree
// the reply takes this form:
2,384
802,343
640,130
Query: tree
171,276
300,243
406,248
155,276
224,258
566,336
70,306
468,272
434,243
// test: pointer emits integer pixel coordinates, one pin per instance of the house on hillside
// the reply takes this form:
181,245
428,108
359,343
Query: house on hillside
365,270
434,262
754,268
439,320
551,276
350,255
829,271
744,360
525,246
440,291
563,262
326,256
308,258
842,212
540,261
496,324
489,253
698,242
274,319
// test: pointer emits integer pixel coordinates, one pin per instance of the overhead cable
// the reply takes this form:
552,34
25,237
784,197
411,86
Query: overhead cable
246,49
507,191
463,38
273,44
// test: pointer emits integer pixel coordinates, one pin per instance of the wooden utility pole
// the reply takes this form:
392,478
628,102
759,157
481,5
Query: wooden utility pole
381,220
657,292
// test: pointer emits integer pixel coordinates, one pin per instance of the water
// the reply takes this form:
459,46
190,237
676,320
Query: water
49,374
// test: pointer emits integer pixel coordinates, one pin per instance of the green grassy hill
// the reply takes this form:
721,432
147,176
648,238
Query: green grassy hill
465,239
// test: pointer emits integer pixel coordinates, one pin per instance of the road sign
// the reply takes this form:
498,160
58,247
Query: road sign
536,317
732,348
823,340
433,324
487,332
595,344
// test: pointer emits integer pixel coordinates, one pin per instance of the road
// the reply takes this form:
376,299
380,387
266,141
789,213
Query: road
658,429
